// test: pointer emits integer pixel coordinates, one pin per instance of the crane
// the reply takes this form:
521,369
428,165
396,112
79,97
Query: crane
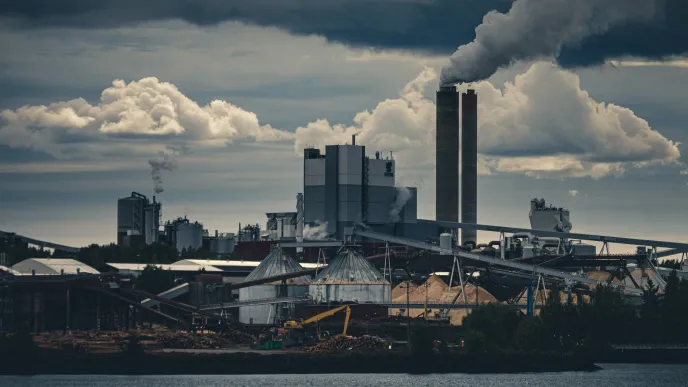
291,324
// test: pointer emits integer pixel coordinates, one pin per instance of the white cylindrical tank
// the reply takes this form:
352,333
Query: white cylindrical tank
445,241
189,236
350,278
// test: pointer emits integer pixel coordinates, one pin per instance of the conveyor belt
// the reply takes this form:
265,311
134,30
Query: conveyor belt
265,301
491,261
567,235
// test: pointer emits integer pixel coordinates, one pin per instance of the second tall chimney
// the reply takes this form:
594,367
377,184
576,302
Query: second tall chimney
469,164
447,155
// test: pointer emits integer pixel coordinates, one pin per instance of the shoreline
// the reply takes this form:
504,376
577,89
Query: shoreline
240,363
63,362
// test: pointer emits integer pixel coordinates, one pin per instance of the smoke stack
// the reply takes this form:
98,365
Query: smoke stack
353,139
447,155
469,164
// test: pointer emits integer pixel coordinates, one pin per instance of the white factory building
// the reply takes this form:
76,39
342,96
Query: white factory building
138,218
343,187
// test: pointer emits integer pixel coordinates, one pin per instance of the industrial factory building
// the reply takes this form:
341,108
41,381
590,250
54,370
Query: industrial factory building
343,187
138,220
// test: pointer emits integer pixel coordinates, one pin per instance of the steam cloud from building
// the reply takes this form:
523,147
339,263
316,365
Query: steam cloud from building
317,232
535,29
167,161
403,196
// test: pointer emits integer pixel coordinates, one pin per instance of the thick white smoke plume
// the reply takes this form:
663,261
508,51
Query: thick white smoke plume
535,29
317,232
167,161
403,195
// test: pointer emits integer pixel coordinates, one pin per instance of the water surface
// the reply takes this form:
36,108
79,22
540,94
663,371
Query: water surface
627,375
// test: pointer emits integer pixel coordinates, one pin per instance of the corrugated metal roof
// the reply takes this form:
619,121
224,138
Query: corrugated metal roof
276,263
223,263
350,267
9,270
53,266
217,263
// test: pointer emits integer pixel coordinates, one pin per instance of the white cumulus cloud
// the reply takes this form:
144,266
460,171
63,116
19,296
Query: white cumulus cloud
148,109
404,125
545,112
542,124
574,192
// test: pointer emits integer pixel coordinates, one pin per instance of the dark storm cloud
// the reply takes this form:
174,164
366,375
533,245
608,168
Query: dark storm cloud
436,26
664,37
425,25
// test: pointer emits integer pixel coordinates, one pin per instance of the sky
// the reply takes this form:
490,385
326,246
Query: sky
581,103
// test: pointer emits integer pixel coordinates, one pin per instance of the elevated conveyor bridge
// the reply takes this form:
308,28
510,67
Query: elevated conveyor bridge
489,261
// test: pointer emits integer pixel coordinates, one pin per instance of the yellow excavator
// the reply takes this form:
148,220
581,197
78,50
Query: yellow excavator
300,324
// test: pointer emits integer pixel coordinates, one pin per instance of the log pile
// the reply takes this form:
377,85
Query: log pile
157,337
343,343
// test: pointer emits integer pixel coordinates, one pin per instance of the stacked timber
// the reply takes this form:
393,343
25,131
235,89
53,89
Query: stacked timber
157,337
343,343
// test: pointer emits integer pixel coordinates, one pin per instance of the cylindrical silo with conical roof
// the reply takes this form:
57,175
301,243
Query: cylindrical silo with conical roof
276,263
350,277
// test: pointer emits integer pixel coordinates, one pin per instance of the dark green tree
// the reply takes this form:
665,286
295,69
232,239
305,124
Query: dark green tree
532,334
422,341
496,322
671,264
475,342
155,280
554,319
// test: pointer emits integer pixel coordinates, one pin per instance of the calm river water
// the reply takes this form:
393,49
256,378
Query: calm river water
627,375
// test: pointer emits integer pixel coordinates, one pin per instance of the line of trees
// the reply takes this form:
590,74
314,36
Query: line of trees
608,319
97,256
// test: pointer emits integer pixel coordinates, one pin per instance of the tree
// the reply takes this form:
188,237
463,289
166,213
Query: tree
421,342
671,264
495,321
475,342
532,334
554,318
650,312
155,280
672,309
606,319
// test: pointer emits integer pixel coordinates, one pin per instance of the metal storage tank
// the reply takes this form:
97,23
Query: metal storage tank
223,244
189,236
350,278
152,222
130,214
446,241
276,263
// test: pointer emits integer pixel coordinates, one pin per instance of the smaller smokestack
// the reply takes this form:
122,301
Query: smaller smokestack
353,139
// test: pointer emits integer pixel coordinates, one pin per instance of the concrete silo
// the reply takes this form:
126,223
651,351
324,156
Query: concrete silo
350,278
276,263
